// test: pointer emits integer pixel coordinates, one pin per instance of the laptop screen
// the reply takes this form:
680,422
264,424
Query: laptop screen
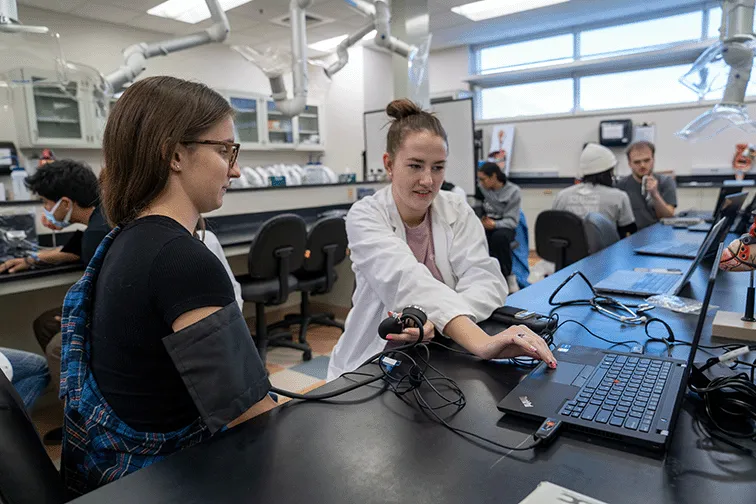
704,307
715,233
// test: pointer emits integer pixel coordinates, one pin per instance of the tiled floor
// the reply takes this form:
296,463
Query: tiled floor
285,365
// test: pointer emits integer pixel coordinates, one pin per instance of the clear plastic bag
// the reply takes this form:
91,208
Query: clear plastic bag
417,67
677,304
273,62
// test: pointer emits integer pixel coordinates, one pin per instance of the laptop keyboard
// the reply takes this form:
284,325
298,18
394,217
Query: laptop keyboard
658,282
623,392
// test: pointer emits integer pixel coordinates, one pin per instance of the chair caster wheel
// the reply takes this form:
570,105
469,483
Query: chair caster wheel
307,356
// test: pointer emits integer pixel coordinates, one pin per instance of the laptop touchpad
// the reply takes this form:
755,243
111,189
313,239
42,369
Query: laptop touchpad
565,373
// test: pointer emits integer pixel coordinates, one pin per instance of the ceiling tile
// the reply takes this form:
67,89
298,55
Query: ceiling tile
158,24
53,5
107,13
137,5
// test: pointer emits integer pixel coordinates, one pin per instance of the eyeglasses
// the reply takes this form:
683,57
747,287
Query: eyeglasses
232,148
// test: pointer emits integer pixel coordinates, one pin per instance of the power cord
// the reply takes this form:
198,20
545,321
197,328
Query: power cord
408,386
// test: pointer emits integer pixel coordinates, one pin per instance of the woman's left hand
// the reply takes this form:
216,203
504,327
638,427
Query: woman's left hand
518,341
488,223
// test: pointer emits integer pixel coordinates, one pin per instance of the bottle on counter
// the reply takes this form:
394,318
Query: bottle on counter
20,191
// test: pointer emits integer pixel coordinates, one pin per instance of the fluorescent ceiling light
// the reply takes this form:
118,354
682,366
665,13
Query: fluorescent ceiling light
328,44
487,9
190,11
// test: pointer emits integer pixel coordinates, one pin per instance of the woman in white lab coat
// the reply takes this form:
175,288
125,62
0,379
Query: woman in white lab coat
413,245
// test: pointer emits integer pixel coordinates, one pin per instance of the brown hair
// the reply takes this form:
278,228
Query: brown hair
145,126
641,145
409,117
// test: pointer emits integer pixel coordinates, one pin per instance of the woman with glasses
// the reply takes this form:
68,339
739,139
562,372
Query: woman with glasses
156,354
597,192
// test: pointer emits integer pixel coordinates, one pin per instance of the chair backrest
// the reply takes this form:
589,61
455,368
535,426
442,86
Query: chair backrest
600,232
326,237
27,475
560,237
278,250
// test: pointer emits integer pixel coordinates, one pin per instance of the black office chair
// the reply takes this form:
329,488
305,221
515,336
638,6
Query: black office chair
277,251
600,232
27,475
560,237
326,248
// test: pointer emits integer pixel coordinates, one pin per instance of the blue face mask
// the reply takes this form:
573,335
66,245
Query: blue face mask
50,215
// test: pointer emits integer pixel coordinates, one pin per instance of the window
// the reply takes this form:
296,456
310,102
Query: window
533,53
635,89
632,37
715,20
598,66
550,97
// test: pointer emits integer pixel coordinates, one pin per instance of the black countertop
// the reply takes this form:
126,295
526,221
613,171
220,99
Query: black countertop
369,446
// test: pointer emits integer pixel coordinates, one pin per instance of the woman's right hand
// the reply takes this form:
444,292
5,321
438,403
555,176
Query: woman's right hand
410,334
517,341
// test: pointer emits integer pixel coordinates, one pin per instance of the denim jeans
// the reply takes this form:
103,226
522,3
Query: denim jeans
30,374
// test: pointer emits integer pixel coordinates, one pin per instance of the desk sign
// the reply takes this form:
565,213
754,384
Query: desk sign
549,493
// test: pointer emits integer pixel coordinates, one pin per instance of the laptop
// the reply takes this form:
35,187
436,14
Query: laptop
628,397
688,250
728,187
729,207
634,283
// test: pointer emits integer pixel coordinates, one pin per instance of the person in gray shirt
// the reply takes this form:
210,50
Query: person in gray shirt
652,196
596,193
501,205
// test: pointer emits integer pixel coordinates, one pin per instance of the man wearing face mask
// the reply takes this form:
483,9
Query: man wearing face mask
70,195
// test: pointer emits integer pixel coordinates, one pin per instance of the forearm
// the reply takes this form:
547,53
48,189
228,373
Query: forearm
56,256
266,404
467,333
662,208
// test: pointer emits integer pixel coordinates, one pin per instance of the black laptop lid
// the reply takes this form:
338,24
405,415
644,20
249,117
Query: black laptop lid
717,232
704,307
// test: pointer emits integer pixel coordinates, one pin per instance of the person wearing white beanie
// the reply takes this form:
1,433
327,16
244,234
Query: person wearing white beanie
596,192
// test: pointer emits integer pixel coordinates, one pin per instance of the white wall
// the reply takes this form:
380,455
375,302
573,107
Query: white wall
554,144
379,79
447,68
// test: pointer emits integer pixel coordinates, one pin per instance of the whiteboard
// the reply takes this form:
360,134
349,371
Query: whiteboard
456,116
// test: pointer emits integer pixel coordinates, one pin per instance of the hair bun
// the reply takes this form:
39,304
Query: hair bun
399,109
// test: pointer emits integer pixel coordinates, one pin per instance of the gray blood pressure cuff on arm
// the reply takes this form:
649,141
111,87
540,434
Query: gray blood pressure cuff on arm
220,366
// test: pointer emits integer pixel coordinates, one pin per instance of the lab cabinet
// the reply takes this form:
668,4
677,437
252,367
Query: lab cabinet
310,129
55,115
280,128
247,120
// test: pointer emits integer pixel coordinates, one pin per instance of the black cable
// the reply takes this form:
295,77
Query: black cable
614,343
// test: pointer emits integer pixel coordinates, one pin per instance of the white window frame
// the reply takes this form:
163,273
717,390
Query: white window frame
653,57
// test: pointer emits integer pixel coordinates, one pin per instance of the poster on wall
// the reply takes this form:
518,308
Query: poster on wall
502,141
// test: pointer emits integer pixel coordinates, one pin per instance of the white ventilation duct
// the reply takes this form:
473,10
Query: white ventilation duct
9,22
380,21
727,63
136,56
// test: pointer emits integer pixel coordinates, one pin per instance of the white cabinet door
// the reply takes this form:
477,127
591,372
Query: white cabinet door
535,201
310,129
248,128
280,128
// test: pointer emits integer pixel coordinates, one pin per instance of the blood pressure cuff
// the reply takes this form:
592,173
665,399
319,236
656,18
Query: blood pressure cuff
220,366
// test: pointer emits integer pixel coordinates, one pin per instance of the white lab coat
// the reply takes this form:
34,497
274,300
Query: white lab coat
389,277
211,242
